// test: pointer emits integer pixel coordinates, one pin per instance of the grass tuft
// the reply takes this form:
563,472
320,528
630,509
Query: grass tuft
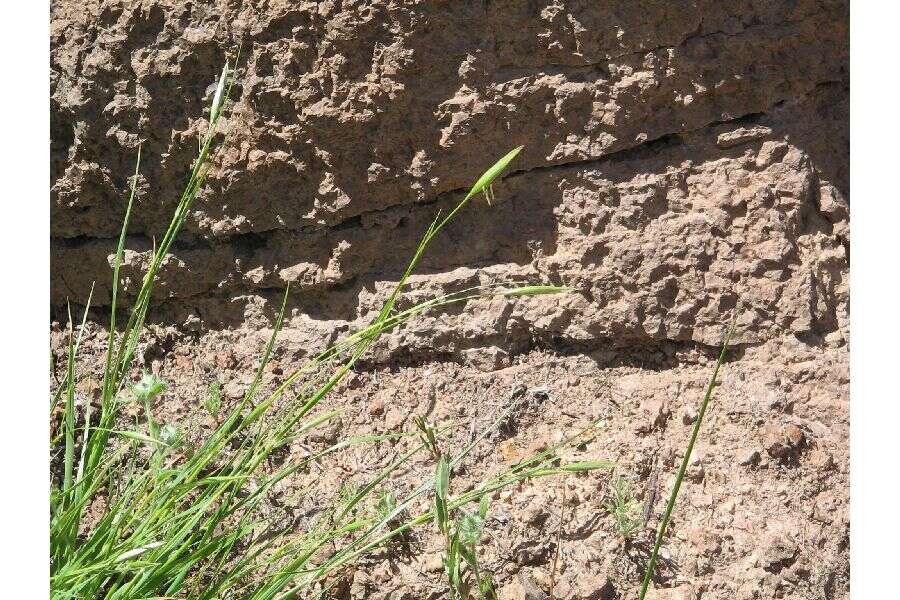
624,508
143,516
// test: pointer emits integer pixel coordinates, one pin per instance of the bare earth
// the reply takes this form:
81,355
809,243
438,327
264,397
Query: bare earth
678,160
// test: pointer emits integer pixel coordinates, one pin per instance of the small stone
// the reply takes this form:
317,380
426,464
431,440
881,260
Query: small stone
540,392
832,203
668,457
749,458
225,359
822,460
655,414
182,362
434,563
376,406
522,587
531,588
784,443
696,474
835,338
536,512
327,433
533,553
233,390
742,135
192,322
689,415
360,586
394,418
695,471
578,584
771,152
485,359
703,541
778,553
794,435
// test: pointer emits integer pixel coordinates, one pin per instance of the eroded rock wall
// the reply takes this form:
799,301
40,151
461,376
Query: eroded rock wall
678,157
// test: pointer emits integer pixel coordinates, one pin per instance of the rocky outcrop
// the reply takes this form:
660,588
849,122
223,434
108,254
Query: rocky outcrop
677,161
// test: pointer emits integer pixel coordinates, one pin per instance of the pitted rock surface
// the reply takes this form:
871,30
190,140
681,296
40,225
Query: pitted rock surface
676,161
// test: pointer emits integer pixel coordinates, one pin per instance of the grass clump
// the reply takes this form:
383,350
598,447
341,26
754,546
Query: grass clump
135,514
461,530
212,401
626,511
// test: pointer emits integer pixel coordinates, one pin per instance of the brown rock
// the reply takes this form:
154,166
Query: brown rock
749,458
742,135
778,552
353,170
522,587
225,360
234,390
681,592
655,412
688,415
585,584
376,406
784,442
533,552
434,563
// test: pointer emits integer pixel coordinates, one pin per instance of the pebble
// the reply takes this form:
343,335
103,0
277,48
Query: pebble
376,406
655,414
434,563
233,390
778,553
784,443
749,457
522,587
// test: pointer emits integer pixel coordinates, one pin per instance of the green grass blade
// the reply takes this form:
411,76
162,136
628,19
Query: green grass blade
673,496
69,419
108,372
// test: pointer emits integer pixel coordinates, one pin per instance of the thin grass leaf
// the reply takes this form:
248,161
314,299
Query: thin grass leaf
673,496
587,465
536,290
69,418
134,435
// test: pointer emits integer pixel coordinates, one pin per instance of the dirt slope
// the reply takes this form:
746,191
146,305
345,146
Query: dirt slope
679,157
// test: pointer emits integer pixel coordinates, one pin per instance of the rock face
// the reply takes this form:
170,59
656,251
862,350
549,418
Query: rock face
680,159
676,161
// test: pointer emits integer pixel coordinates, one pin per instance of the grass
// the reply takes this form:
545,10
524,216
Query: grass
626,511
461,530
673,495
137,513
212,402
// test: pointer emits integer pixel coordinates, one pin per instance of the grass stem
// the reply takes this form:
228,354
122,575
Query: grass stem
651,564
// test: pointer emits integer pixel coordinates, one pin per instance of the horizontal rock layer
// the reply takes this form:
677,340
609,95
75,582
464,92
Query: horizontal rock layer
678,160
